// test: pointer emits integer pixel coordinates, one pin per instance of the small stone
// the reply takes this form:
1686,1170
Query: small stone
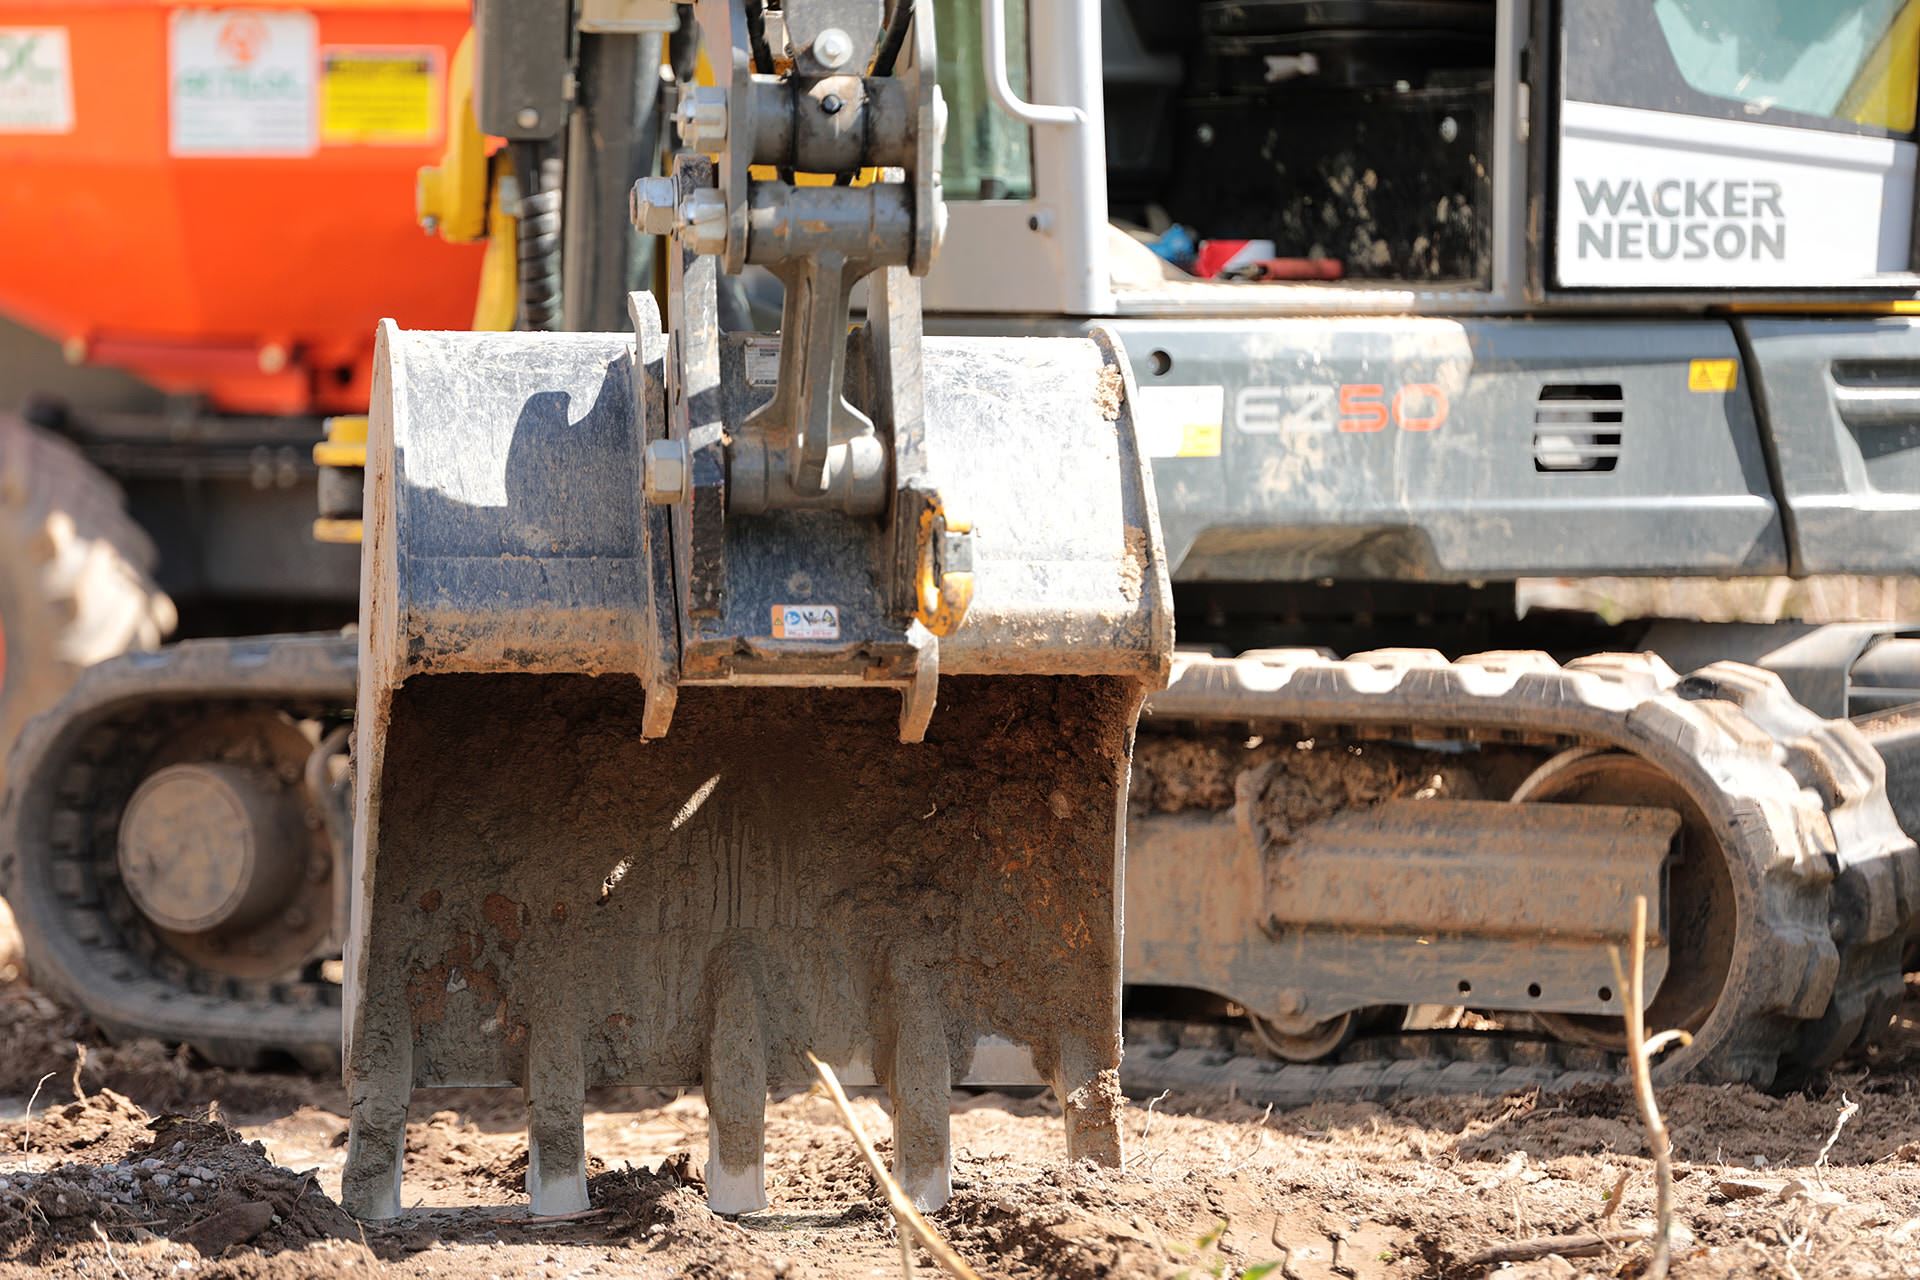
162,1179
149,1164
180,1146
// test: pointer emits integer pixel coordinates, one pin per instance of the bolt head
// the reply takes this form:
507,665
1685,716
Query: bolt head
833,48
664,474
654,206
527,117
831,104
704,218
702,117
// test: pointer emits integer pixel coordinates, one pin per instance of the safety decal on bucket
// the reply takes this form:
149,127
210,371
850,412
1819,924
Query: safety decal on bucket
36,80
1180,422
806,622
763,361
241,82
379,95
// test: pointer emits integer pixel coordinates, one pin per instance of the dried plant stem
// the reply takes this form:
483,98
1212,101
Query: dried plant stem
904,1213
1640,1051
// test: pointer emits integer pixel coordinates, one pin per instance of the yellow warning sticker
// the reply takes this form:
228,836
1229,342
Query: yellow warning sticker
1180,422
379,96
1713,375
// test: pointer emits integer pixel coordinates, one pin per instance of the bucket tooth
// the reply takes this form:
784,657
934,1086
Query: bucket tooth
736,1086
556,1130
379,1087
1087,1082
918,1074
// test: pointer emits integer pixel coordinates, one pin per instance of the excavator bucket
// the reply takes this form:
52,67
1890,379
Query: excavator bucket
721,707
548,897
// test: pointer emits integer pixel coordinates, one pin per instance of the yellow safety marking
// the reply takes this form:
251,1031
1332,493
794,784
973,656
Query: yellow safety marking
942,599
1713,375
499,294
376,96
329,454
336,531
1883,92
455,192
1199,440
1890,307
346,442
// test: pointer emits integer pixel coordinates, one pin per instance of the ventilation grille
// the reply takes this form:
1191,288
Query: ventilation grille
1576,426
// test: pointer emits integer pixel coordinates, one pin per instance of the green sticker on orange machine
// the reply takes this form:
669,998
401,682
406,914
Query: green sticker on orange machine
379,96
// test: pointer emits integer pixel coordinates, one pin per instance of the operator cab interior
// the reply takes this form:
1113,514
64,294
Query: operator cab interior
1303,139
1418,151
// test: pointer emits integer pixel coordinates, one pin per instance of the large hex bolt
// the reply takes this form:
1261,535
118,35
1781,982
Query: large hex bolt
664,472
702,117
705,217
833,48
654,206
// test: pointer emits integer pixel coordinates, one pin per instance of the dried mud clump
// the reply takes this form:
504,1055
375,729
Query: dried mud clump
1288,786
194,1181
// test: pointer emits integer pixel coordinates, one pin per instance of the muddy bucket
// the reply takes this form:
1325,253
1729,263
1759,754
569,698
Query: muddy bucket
596,846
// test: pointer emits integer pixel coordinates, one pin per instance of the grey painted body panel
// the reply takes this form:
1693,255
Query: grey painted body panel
1842,405
1293,496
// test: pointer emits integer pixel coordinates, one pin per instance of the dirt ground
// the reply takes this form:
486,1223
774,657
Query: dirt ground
166,1167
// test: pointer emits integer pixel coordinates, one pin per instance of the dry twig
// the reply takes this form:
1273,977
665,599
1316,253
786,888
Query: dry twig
26,1123
79,1065
904,1213
545,1219
1146,1127
1619,1194
1848,1109
1640,1051
100,1234
1585,1244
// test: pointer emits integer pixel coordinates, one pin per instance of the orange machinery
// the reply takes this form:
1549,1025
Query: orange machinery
220,200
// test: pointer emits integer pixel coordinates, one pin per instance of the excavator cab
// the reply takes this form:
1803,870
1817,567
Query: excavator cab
719,707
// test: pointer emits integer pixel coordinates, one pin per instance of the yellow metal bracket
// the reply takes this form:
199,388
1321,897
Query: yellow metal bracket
942,594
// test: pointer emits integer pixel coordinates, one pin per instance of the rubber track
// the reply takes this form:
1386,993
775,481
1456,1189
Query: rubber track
1825,881
1189,1059
68,769
1829,881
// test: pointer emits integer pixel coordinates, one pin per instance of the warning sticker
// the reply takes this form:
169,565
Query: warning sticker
763,362
806,622
241,82
379,96
1180,422
1713,375
36,81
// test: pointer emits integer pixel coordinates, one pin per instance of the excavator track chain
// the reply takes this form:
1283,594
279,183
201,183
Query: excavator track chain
85,939
1823,876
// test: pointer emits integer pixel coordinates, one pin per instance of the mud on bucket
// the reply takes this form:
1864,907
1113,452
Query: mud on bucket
547,897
